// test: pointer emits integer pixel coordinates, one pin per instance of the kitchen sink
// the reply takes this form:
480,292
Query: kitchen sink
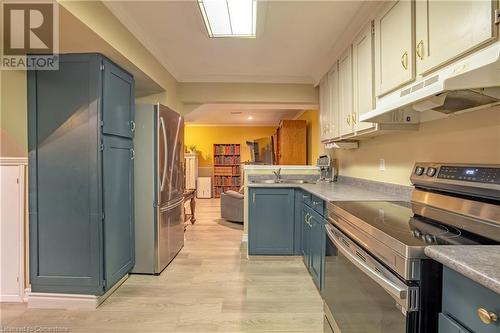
265,181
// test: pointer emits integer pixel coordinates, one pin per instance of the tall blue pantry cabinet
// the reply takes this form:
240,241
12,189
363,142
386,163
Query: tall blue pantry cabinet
80,132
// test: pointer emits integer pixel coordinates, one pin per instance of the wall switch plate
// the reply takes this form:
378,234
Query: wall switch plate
381,165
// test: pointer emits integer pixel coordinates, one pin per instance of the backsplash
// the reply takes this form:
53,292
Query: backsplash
402,191
471,137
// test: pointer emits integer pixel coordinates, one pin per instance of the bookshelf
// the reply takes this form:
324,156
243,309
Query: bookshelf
227,169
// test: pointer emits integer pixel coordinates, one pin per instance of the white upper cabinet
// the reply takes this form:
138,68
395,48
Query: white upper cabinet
345,93
394,46
447,29
324,108
363,77
333,82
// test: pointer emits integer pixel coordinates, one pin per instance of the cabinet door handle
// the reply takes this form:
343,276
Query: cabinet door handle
132,151
354,118
420,50
348,119
132,126
404,60
309,220
305,217
486,316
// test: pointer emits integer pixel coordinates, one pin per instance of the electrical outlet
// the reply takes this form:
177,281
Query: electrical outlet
381,165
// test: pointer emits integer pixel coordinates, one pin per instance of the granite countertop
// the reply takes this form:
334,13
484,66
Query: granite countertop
340,191
480,263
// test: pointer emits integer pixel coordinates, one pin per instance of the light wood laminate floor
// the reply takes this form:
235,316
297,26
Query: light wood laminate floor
209,287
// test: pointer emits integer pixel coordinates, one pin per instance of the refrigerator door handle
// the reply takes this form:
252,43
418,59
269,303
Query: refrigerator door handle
165,157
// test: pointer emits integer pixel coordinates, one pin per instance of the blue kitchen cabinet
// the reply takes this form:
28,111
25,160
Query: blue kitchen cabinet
271,222
315,243
80,176
118,194
448,325
317,204
462,298
298,217
317,248
305,236
284,221
118,101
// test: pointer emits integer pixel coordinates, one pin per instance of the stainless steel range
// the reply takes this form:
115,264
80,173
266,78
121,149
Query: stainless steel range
377,277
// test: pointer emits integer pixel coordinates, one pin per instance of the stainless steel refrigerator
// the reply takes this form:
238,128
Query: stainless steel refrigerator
159,187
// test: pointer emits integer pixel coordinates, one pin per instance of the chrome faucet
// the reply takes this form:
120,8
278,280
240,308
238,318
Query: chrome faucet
278,175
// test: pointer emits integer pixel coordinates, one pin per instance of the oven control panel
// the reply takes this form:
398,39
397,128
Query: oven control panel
456,173
471,174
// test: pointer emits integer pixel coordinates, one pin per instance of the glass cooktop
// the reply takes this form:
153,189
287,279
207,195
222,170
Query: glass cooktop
397,220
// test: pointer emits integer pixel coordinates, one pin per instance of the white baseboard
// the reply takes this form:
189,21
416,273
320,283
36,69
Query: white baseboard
11,299
68,301
25,296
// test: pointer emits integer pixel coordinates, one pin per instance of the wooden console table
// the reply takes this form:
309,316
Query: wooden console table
189,195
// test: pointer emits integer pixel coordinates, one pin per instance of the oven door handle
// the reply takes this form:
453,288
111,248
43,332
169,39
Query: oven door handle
397,291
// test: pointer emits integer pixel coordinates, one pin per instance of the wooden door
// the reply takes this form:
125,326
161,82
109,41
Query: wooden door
447,29
394,46
292,142
363,76
345,92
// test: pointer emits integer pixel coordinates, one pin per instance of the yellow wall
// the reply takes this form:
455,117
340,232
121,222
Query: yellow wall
313,139
204,138
472,137
13,114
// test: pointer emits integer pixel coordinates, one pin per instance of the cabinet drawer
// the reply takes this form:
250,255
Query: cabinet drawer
306,198
318,205
463,297
448,325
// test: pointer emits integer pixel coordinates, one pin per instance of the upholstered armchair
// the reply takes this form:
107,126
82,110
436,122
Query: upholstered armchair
231,203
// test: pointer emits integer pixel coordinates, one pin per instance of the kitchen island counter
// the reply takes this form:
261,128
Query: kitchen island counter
479,263
348,189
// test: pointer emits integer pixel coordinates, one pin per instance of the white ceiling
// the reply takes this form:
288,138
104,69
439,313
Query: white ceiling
237,114
294,38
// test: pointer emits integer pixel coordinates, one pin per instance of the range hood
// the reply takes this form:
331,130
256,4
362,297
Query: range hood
467,85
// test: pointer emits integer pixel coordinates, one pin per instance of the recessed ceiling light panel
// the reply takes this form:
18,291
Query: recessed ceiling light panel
229,18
